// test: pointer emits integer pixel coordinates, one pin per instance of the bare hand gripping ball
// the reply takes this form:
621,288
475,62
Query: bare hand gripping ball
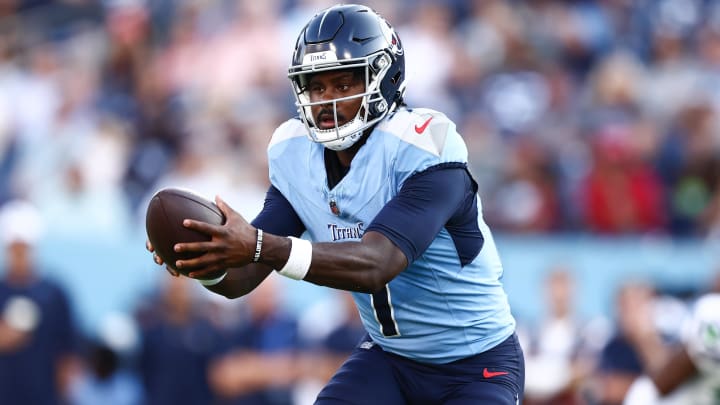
163,222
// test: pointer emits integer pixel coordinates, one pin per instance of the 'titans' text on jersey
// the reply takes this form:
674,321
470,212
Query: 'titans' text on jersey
448,303
338,232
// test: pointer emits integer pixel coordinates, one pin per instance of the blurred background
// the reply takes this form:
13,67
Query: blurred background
592,128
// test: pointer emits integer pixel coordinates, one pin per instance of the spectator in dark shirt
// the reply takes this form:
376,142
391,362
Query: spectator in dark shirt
37,336
178,341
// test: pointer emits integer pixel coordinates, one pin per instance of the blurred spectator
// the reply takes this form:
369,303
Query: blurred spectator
178,341
327,348
37,333
259,364
83,196
636,344
193,169
690,164
690,374
483,37
673,75
516,99
104,380
342,339
556,347
228,52
575,33
527,199
430,56
622,193
31,85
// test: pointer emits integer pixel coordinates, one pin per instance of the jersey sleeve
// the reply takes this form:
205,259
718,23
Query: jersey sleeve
440,196
278,217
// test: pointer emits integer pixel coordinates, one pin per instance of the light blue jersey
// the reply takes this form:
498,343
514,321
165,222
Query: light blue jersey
436,310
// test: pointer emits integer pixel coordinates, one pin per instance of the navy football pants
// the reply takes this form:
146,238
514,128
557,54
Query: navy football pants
372,376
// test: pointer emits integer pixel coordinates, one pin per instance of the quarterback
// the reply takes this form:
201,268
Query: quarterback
371,196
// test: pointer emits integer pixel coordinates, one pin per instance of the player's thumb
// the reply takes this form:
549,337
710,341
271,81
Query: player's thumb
224,207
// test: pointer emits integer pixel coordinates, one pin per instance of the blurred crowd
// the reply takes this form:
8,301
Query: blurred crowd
595,116
580,116
576,361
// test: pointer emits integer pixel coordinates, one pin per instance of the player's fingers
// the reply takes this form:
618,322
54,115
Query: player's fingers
203,227
196,247
149,246
207,262
203,273
195,263
157,259
198,268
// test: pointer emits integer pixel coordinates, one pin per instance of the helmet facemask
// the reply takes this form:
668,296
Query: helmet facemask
373,107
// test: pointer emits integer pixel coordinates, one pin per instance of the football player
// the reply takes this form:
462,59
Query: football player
381,195
691,375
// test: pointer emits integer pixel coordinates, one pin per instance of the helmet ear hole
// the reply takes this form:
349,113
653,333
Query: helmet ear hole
379,107
379,63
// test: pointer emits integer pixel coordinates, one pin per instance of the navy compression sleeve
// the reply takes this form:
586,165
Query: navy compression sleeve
441,196
278,217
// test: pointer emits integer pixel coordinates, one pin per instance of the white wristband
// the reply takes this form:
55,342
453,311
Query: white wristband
212,281
258,245
299,261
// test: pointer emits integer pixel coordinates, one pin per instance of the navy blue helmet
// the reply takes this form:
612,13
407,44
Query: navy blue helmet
349,37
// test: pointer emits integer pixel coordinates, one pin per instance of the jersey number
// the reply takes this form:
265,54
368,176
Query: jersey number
384,312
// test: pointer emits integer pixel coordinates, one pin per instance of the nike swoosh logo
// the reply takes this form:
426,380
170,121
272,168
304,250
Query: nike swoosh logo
421,129
490,374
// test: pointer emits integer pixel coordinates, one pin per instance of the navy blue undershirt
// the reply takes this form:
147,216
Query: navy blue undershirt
440,196
278,216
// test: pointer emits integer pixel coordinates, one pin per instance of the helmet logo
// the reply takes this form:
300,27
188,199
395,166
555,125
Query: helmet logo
395,45
319,57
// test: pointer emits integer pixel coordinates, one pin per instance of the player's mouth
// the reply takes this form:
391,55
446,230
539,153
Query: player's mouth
327,121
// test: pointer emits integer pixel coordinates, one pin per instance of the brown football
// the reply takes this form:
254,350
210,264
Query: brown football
163,222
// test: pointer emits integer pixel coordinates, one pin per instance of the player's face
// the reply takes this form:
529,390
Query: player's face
327,86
